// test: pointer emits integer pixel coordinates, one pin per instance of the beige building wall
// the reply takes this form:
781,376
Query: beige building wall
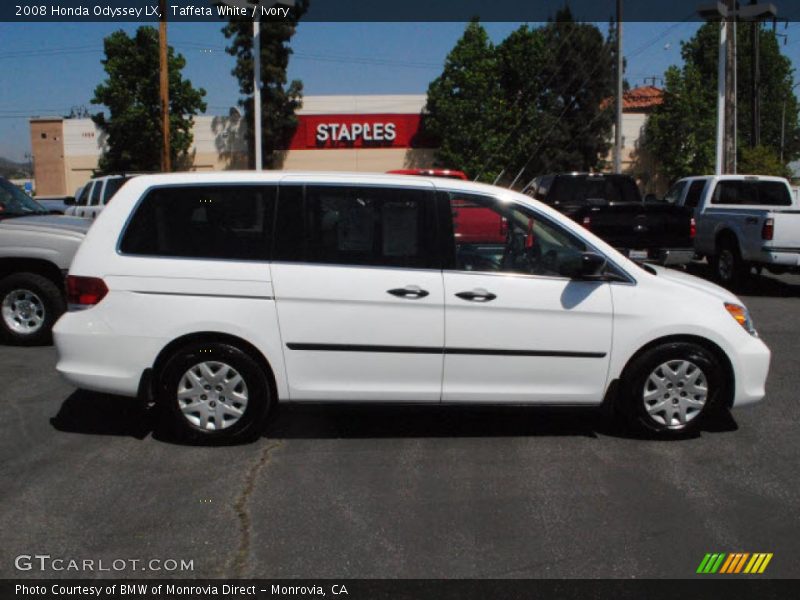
47,147
376,160
67,151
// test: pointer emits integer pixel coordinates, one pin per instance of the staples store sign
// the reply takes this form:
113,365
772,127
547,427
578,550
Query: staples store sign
355,131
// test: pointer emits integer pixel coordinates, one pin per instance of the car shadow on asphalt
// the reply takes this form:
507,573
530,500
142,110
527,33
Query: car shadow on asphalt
101,414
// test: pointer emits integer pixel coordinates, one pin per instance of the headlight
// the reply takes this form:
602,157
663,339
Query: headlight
742,316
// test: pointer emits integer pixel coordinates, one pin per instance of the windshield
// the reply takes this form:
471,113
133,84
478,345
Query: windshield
14,202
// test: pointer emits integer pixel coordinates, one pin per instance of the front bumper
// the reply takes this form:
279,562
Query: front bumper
751,367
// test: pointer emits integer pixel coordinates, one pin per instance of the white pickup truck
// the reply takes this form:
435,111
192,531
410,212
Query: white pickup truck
743,221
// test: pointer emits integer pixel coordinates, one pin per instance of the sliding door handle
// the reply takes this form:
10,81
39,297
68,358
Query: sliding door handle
477,296
410,291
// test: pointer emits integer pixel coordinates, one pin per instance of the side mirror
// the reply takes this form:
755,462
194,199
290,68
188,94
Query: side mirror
586,266
69,201
651,198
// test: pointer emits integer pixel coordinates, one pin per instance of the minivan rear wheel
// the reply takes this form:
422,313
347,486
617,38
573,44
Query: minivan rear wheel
669,390
29,306
214,393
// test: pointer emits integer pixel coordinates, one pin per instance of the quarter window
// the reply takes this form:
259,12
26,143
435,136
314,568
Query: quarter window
495,236
675,192
218,222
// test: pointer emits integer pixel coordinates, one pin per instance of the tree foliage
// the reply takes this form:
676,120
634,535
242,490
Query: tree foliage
763,161
279,100
131,94
682,131
533,103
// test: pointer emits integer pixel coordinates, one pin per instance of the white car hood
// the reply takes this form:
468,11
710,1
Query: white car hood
684,279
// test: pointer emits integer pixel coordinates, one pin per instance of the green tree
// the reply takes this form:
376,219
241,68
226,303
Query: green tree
131,95
464,107
763,161
534,103
575,77
279,100
682,131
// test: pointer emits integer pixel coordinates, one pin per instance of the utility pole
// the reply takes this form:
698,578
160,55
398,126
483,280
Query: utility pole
729,165
257,91
164,86
755,75
618,127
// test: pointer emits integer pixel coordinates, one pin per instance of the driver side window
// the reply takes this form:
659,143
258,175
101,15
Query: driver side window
503,237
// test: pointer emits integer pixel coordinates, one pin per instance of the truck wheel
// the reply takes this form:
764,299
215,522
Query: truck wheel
727,264
668,390
29,306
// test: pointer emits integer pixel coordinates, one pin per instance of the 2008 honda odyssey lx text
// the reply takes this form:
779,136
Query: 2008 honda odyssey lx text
224,293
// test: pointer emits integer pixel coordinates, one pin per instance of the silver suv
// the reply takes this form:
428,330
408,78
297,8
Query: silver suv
36,249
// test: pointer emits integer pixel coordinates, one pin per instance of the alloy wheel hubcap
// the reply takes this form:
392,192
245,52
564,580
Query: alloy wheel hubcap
23,311
212,395
675,392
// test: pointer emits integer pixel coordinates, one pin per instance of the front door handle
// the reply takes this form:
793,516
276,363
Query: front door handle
477,296
410,291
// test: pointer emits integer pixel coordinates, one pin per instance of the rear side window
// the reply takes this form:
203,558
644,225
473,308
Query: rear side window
370,226
98,187
765,193
112,185
216,222
695,193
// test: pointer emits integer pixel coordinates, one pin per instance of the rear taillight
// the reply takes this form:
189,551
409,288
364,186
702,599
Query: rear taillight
692,229
768,230
587,222
83,292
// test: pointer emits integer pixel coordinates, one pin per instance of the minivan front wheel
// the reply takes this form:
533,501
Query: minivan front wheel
670,389
214,393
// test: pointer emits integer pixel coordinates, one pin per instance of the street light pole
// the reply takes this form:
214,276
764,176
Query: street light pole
257,92
166,165
723,47
618,127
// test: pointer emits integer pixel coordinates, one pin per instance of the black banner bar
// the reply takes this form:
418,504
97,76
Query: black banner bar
600,11
704,587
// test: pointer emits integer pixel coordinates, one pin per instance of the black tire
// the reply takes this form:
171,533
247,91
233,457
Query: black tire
50,306
635,378
729,269
259,394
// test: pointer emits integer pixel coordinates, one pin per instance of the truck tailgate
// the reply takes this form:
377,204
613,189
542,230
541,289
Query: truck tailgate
786,231
640,226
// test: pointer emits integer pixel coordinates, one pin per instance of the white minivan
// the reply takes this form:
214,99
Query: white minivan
220,294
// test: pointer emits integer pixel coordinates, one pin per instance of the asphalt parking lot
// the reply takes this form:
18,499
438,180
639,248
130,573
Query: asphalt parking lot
347,492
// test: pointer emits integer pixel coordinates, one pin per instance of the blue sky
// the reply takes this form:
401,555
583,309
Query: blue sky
46,68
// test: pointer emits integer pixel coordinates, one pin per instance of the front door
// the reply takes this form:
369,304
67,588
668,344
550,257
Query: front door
358,290
516,328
